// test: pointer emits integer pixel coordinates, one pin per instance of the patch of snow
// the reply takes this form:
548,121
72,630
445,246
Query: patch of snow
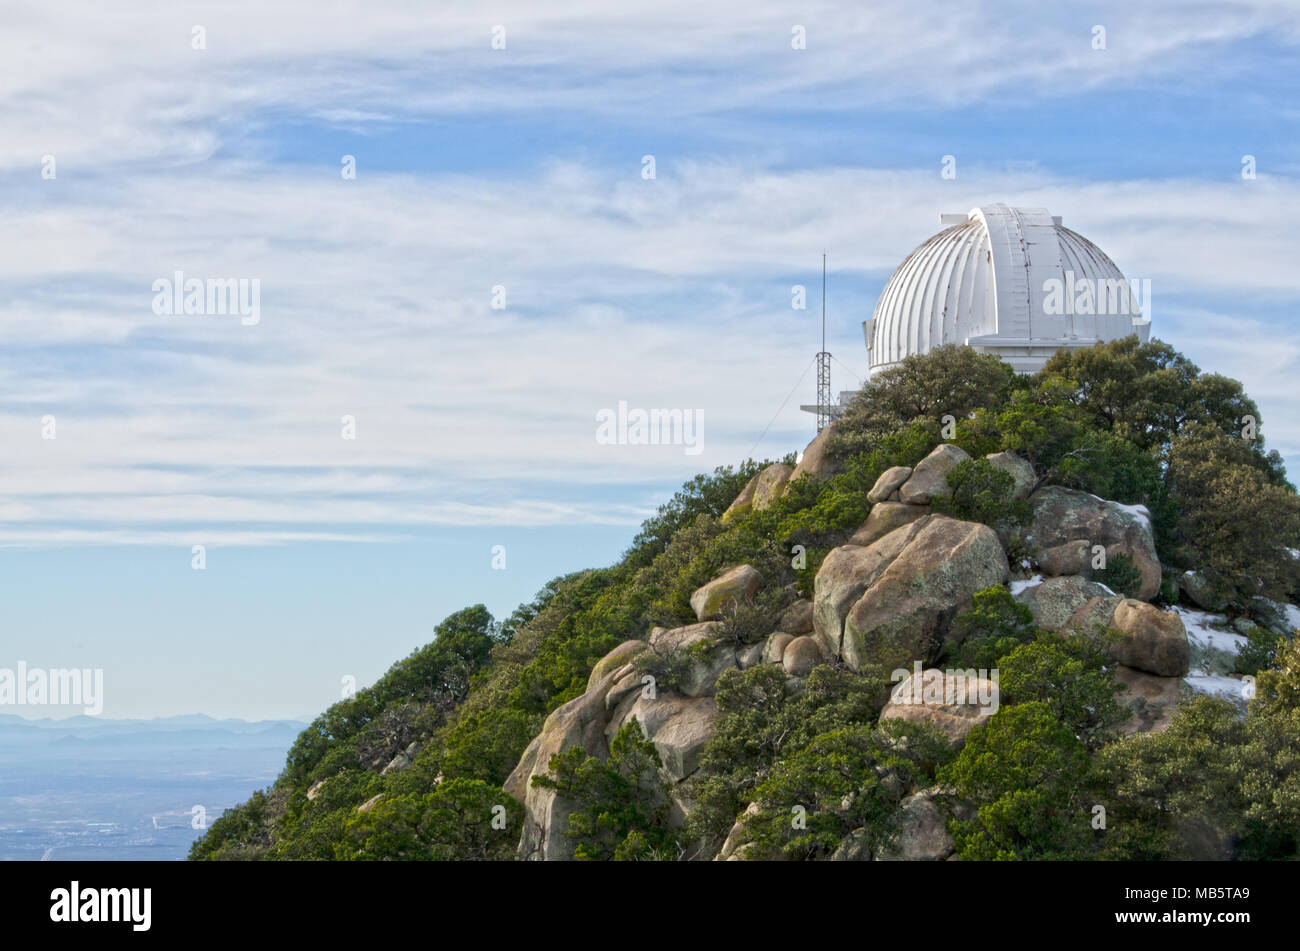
1106,589
1292,614
1140,512
1228,688
1201,633
1018,586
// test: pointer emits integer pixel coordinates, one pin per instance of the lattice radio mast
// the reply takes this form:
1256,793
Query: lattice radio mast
824,408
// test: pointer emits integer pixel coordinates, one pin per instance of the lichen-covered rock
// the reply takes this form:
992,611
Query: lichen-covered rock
890,481
1095,613
1154,641
930,477
1065,515
760,491
884,518
948,700
905,613
770,484
801,655
734,586
1056,600
616,658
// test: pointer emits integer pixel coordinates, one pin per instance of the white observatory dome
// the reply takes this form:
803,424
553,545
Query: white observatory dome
1008,281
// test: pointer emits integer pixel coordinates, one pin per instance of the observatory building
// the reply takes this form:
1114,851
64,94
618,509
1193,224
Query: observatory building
1013,282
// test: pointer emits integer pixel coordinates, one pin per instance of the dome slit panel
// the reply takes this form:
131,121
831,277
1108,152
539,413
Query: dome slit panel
946,316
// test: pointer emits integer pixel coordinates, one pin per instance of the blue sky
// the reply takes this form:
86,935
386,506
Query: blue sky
521,168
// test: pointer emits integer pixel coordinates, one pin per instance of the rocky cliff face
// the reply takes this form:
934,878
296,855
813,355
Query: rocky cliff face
886,599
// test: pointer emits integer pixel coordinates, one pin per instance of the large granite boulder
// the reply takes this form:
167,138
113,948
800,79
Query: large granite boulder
1065,515
922,831
890,481
801,655
1071,558
581,723
815,463
1021,472
706,658
930,477
1054,601
734,586
679,727
1154,641
948,700
1150,640
893,601
884,518
844,577
1095,613
760,491
620,655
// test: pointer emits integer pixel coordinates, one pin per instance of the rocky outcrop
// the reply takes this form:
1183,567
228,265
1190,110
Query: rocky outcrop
884,518
581,723
732,848
1154,700
679,727
893,601
947,700
614,659
679,722
815,463
890,481
1095,613
930,477
703,657
1054,602
1021,472
922,831
734,586
1065,515
760,491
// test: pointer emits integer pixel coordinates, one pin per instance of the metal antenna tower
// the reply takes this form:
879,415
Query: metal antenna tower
824,409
